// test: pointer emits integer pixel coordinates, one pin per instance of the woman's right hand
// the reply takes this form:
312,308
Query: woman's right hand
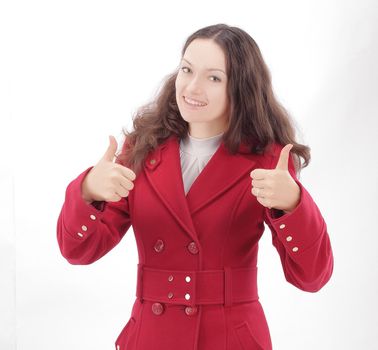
108,181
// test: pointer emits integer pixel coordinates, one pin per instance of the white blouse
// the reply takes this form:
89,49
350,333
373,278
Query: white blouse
194,155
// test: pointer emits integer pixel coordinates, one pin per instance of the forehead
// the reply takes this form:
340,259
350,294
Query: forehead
205,53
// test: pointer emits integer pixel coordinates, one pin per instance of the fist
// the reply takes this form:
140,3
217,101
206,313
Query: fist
275,188
108,181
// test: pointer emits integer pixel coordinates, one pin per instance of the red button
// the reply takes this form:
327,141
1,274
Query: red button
159,245
191,310
157,308
192,247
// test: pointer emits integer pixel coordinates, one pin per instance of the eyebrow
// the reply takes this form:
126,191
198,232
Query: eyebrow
209,69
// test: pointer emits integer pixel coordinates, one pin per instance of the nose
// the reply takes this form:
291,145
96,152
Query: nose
194,86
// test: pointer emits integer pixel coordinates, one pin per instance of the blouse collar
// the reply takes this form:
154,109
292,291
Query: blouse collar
201,147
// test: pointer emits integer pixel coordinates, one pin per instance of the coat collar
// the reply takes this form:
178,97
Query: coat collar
221,172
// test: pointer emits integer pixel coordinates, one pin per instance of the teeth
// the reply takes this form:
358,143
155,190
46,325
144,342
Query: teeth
193,102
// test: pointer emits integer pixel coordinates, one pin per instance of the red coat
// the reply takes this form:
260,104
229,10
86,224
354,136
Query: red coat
197,266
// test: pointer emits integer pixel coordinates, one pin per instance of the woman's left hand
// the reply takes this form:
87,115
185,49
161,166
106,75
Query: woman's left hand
275,188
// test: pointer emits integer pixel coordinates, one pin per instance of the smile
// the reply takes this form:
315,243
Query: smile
194,103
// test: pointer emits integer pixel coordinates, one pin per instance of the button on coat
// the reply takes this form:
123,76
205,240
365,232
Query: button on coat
192,247
159,246
157,308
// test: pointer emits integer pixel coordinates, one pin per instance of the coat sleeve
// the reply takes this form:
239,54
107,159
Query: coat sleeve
301,239
86,232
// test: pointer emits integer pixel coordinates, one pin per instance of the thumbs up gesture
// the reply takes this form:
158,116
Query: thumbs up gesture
275,188
108,181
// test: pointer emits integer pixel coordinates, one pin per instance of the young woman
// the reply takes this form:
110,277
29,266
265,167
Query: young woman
208,162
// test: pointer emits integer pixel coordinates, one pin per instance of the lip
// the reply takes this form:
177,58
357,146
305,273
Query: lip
193,106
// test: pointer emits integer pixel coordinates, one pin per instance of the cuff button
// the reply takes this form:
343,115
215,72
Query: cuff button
80,234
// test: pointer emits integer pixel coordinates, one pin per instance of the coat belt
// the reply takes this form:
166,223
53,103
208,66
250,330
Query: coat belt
191,287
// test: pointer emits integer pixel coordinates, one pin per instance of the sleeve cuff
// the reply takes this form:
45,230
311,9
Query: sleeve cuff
299,229
79,216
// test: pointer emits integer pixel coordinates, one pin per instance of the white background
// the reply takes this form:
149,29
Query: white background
73,72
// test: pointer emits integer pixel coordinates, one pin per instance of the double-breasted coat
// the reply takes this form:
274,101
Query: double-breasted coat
197,270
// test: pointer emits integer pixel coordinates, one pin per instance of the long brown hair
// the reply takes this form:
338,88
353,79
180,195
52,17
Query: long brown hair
256,117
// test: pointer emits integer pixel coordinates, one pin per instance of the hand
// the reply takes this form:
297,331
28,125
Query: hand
108,181
275,188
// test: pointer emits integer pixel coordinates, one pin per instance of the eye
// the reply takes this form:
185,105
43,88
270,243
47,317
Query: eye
216,78
183,69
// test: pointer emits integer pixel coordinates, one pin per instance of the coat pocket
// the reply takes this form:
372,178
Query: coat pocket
246,339
123,338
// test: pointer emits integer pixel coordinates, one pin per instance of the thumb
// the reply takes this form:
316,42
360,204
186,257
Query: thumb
283,160
112,149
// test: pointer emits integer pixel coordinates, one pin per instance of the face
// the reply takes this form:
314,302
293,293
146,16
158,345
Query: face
201,88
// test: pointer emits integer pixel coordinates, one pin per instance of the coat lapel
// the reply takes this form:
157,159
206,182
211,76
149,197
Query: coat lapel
221,172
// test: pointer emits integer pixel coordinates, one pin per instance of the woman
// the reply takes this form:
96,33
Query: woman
208,162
